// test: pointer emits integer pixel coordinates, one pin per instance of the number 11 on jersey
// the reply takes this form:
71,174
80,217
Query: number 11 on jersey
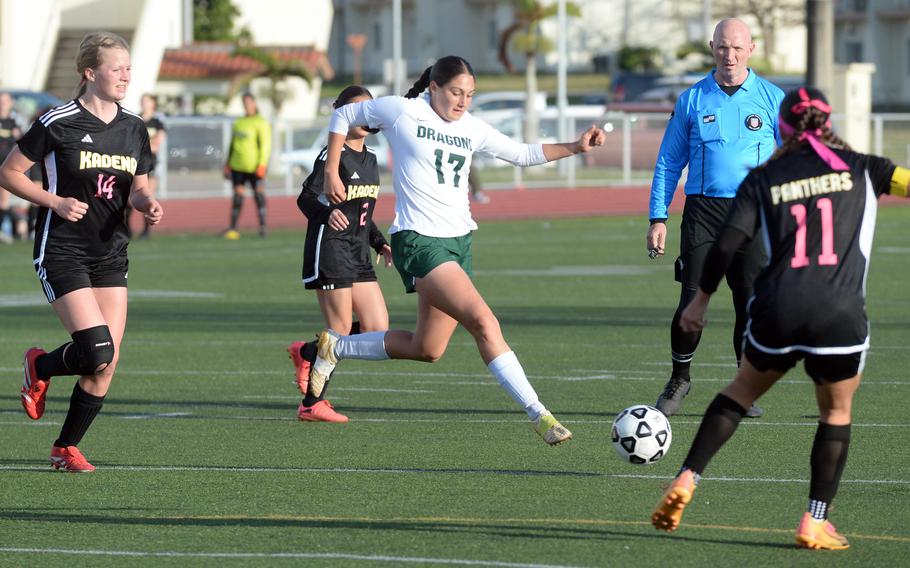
828,257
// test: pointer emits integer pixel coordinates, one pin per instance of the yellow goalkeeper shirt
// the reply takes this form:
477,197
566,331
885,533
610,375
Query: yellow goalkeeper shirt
251,144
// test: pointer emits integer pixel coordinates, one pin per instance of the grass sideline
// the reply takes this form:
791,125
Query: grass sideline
201,461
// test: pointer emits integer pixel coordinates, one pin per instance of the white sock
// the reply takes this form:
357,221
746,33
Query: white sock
369,346
511,377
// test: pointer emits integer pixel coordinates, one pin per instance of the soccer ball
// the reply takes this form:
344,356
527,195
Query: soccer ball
641,434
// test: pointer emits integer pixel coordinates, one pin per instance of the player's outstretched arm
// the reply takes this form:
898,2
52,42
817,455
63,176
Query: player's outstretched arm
590,139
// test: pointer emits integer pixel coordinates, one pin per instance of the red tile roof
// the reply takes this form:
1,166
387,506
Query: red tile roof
215,61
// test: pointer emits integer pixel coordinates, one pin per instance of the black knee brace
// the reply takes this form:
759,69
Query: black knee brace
94,349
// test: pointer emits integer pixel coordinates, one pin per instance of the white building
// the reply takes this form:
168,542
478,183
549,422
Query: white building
471,29
155,29
878,32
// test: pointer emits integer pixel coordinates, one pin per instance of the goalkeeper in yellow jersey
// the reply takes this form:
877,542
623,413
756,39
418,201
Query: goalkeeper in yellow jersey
248,159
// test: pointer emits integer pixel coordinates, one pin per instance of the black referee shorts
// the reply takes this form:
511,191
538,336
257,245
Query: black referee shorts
702,220
59,276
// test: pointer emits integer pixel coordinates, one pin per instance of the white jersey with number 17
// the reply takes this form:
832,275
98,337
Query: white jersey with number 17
431,159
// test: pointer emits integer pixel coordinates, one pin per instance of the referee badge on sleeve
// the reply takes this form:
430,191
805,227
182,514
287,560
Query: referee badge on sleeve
753,122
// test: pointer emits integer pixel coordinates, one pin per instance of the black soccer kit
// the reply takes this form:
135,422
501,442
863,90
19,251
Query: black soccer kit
817,224
336,259
153,126
95,162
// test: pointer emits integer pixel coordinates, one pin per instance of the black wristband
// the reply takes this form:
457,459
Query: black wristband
657,220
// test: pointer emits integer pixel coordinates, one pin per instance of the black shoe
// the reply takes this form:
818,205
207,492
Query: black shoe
755,412
263,232
674,391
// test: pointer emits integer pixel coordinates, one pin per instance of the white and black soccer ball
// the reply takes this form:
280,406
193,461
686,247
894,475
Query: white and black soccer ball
641,434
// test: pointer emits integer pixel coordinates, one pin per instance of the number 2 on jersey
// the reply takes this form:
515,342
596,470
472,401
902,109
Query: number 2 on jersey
105,187
363,216
456,159
828,257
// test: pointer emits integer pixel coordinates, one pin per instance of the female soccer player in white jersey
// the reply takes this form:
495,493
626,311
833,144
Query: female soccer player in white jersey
95,156
433,139
814,202
337,260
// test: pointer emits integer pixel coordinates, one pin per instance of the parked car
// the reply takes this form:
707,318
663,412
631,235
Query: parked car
626,86
27,103
301,161
504,100
195,145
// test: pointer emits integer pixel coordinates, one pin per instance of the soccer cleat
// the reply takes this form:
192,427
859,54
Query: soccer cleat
231,235
549,428
670,508
755,411
302,354
34,388
70,459
675,390
322,411
325,361
819,535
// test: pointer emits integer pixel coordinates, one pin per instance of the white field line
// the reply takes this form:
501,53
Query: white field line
489,381
282,555
190,415
448,471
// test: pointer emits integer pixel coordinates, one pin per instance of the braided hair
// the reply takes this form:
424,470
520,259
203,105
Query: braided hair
807,110
441,72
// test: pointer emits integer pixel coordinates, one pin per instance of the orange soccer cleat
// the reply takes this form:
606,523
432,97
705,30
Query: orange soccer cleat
670,508
70,459
819,535
34,388
322,411
302,363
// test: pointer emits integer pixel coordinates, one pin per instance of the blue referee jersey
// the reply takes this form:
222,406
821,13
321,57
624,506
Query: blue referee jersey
721,137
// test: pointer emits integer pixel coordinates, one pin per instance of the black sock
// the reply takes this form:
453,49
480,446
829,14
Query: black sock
60,361
310,399
741,295
236,206
682,344
260,206
717,426
84,407
355,328
829,455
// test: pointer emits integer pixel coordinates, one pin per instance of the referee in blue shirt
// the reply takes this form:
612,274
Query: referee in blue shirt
720,128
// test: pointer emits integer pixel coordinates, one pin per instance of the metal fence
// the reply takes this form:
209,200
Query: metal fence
191,161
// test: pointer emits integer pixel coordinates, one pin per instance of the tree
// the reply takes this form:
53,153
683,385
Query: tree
524,36
639,59
771,15
274,68
213,20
